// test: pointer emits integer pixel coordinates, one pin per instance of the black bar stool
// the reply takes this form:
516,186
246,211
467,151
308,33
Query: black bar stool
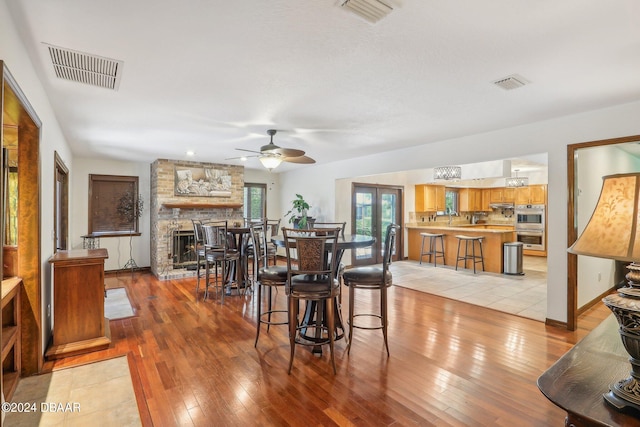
433,251
470,240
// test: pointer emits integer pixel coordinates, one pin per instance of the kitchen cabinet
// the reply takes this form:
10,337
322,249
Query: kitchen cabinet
502,195
532,195
486,199
79,325
430,198
471,200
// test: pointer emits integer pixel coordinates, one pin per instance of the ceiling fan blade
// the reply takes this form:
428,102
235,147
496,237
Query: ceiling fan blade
287,152
249,151
241,157
299,159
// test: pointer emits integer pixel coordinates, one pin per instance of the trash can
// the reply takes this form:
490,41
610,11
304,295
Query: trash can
513,258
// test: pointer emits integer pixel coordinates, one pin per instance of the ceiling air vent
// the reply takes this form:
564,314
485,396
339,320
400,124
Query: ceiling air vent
371,10
85,68
513,81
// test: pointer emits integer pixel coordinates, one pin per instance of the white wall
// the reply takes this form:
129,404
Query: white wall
14,55
318,183
596,275
117,247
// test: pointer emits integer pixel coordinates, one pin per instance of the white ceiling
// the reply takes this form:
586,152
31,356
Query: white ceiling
211,76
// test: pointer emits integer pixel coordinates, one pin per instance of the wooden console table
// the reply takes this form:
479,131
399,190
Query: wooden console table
79,325
577,381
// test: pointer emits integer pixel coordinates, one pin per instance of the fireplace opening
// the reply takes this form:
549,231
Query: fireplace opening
184,250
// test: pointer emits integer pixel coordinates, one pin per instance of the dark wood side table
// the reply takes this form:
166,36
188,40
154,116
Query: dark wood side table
79,325
577,381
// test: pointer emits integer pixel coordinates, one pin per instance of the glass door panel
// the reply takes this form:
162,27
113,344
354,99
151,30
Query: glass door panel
373,209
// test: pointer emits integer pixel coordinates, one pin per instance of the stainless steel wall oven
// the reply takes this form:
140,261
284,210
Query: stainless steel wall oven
530,226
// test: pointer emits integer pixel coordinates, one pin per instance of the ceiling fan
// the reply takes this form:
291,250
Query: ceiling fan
270,155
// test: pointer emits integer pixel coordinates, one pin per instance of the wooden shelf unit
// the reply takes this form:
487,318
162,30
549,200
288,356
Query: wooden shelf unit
11,338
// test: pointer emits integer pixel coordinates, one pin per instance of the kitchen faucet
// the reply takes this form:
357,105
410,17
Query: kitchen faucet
451,213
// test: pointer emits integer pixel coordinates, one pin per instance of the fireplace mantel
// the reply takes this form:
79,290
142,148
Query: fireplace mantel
201,205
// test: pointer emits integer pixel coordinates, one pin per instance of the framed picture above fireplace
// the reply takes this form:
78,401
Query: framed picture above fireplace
202,182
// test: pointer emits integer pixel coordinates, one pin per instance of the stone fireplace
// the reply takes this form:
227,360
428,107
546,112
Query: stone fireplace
172,213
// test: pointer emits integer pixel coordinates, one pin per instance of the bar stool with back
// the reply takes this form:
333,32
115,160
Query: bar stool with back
266,276
218,253
312,277
372,278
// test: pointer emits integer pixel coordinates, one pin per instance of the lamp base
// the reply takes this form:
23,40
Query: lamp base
625,306
621,399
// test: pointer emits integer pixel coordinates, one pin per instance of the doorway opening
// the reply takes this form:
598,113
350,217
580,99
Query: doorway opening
373,208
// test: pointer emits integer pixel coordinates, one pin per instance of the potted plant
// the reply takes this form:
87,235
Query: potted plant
298,212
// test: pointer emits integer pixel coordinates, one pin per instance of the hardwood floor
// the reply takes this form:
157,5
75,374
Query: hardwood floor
451,364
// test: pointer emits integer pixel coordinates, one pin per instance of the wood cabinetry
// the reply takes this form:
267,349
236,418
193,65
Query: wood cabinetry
430,198
11,338
486,199
502,195
532,195
79,325
472,200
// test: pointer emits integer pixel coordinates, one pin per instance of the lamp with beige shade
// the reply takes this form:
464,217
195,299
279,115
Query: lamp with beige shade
613,233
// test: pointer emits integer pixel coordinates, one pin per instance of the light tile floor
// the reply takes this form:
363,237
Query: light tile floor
524,295
102,391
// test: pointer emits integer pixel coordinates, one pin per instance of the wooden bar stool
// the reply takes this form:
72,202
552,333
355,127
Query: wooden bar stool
470,240
433,251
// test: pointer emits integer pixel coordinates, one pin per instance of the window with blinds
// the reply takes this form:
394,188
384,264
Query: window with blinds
113,205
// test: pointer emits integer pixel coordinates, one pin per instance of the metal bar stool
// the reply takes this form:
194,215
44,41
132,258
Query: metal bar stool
466,256
433,251
372,278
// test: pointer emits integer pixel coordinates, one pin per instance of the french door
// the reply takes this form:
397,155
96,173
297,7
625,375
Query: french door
373,208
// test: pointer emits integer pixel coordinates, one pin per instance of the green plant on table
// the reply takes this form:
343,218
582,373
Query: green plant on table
298,212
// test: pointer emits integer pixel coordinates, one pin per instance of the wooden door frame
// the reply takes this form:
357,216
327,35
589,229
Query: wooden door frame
61,169
572,232
29,234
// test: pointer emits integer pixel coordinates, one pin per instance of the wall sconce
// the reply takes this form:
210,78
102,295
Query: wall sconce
447,173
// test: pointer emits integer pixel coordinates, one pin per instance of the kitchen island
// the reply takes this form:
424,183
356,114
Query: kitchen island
494,238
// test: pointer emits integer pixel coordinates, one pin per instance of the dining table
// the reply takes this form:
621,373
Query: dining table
345,242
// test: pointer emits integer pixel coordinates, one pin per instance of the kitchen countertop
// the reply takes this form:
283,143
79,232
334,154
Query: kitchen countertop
494,236
466,227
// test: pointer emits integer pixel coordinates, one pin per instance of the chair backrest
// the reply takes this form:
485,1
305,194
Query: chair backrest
215,235
272,227
259,239
248,222
340,225
313,248
197,231
389,245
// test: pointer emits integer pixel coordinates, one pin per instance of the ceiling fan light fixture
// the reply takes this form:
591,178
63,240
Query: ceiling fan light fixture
270,162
